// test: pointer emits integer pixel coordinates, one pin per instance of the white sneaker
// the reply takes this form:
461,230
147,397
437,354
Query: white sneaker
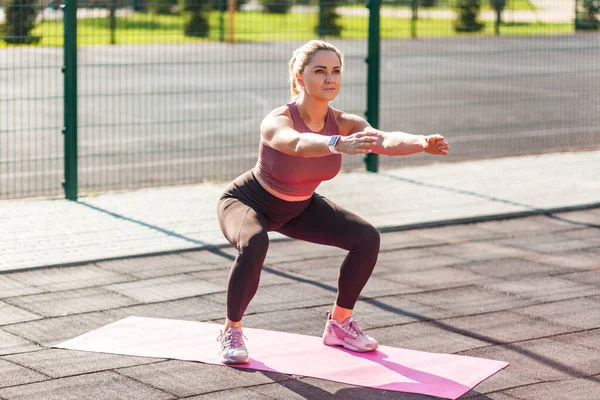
231,346
348,334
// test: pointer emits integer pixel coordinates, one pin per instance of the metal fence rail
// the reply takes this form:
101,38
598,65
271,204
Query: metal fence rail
157,106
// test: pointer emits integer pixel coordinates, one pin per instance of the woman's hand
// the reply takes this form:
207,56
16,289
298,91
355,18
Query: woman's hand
358,143
435,144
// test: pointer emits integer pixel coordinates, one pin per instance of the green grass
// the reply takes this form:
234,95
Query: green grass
445,28
485,5
258,27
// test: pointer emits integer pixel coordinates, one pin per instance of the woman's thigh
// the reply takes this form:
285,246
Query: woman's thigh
324,222
240,222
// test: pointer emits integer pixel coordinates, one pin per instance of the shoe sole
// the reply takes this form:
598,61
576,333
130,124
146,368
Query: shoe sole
329,341
229,361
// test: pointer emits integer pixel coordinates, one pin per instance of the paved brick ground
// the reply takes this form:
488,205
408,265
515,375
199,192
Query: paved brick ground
524,290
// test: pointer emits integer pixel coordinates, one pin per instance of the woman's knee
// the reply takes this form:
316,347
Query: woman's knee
254,245
368,238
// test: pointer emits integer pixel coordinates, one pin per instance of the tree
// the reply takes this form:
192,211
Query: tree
164,7
140,5
223,5
21,18
587,15
197,24
276,6
328,16
427,3
467,13
498,5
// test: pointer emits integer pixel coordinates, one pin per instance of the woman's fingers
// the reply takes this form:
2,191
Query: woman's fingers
359,143
438,143
443,148
365,144
367,133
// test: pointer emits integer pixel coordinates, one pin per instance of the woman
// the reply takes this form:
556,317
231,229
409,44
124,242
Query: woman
301,146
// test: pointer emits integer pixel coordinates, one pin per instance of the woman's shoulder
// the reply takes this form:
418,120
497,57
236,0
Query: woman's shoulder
343,115
279,116
282,111
346,121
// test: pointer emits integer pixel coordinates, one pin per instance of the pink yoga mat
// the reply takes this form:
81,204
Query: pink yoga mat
442,375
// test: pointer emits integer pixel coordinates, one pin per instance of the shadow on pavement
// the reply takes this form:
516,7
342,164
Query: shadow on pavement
532,209
312,392
514,347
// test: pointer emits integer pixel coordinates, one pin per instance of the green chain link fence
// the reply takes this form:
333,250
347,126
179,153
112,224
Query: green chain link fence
168,92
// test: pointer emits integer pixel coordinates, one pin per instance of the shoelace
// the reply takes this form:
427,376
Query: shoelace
232,338
355,328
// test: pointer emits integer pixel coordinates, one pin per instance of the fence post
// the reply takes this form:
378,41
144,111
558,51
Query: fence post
70,87
415,17
222,8
321,31
373,55
113,20
498,7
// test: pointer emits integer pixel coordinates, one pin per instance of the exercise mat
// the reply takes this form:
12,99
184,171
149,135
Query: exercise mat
390,368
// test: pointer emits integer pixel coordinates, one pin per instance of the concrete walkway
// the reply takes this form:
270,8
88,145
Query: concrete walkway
39,233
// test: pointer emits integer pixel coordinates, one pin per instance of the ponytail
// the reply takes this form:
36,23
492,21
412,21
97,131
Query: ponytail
293,81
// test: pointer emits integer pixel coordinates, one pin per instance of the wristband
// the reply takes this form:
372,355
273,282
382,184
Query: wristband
332,142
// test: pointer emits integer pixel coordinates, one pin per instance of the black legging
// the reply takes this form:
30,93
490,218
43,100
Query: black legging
247,212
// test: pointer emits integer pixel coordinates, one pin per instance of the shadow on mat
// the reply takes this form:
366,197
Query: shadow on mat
307,390
418,381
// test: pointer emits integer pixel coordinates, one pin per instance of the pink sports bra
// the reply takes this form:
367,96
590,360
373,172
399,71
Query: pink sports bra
298,176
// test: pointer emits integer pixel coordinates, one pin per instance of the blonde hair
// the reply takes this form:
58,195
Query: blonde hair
303,56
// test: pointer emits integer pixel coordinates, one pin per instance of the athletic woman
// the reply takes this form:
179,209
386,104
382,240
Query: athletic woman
301,146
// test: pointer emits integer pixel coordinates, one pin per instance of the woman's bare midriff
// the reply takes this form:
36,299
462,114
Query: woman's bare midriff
276,193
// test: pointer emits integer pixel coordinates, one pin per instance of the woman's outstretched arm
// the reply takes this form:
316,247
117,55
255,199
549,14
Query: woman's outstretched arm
397,143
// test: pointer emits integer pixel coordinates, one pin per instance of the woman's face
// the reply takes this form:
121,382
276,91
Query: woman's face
322,77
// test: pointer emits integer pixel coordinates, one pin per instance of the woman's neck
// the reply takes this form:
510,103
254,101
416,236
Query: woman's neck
312,111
